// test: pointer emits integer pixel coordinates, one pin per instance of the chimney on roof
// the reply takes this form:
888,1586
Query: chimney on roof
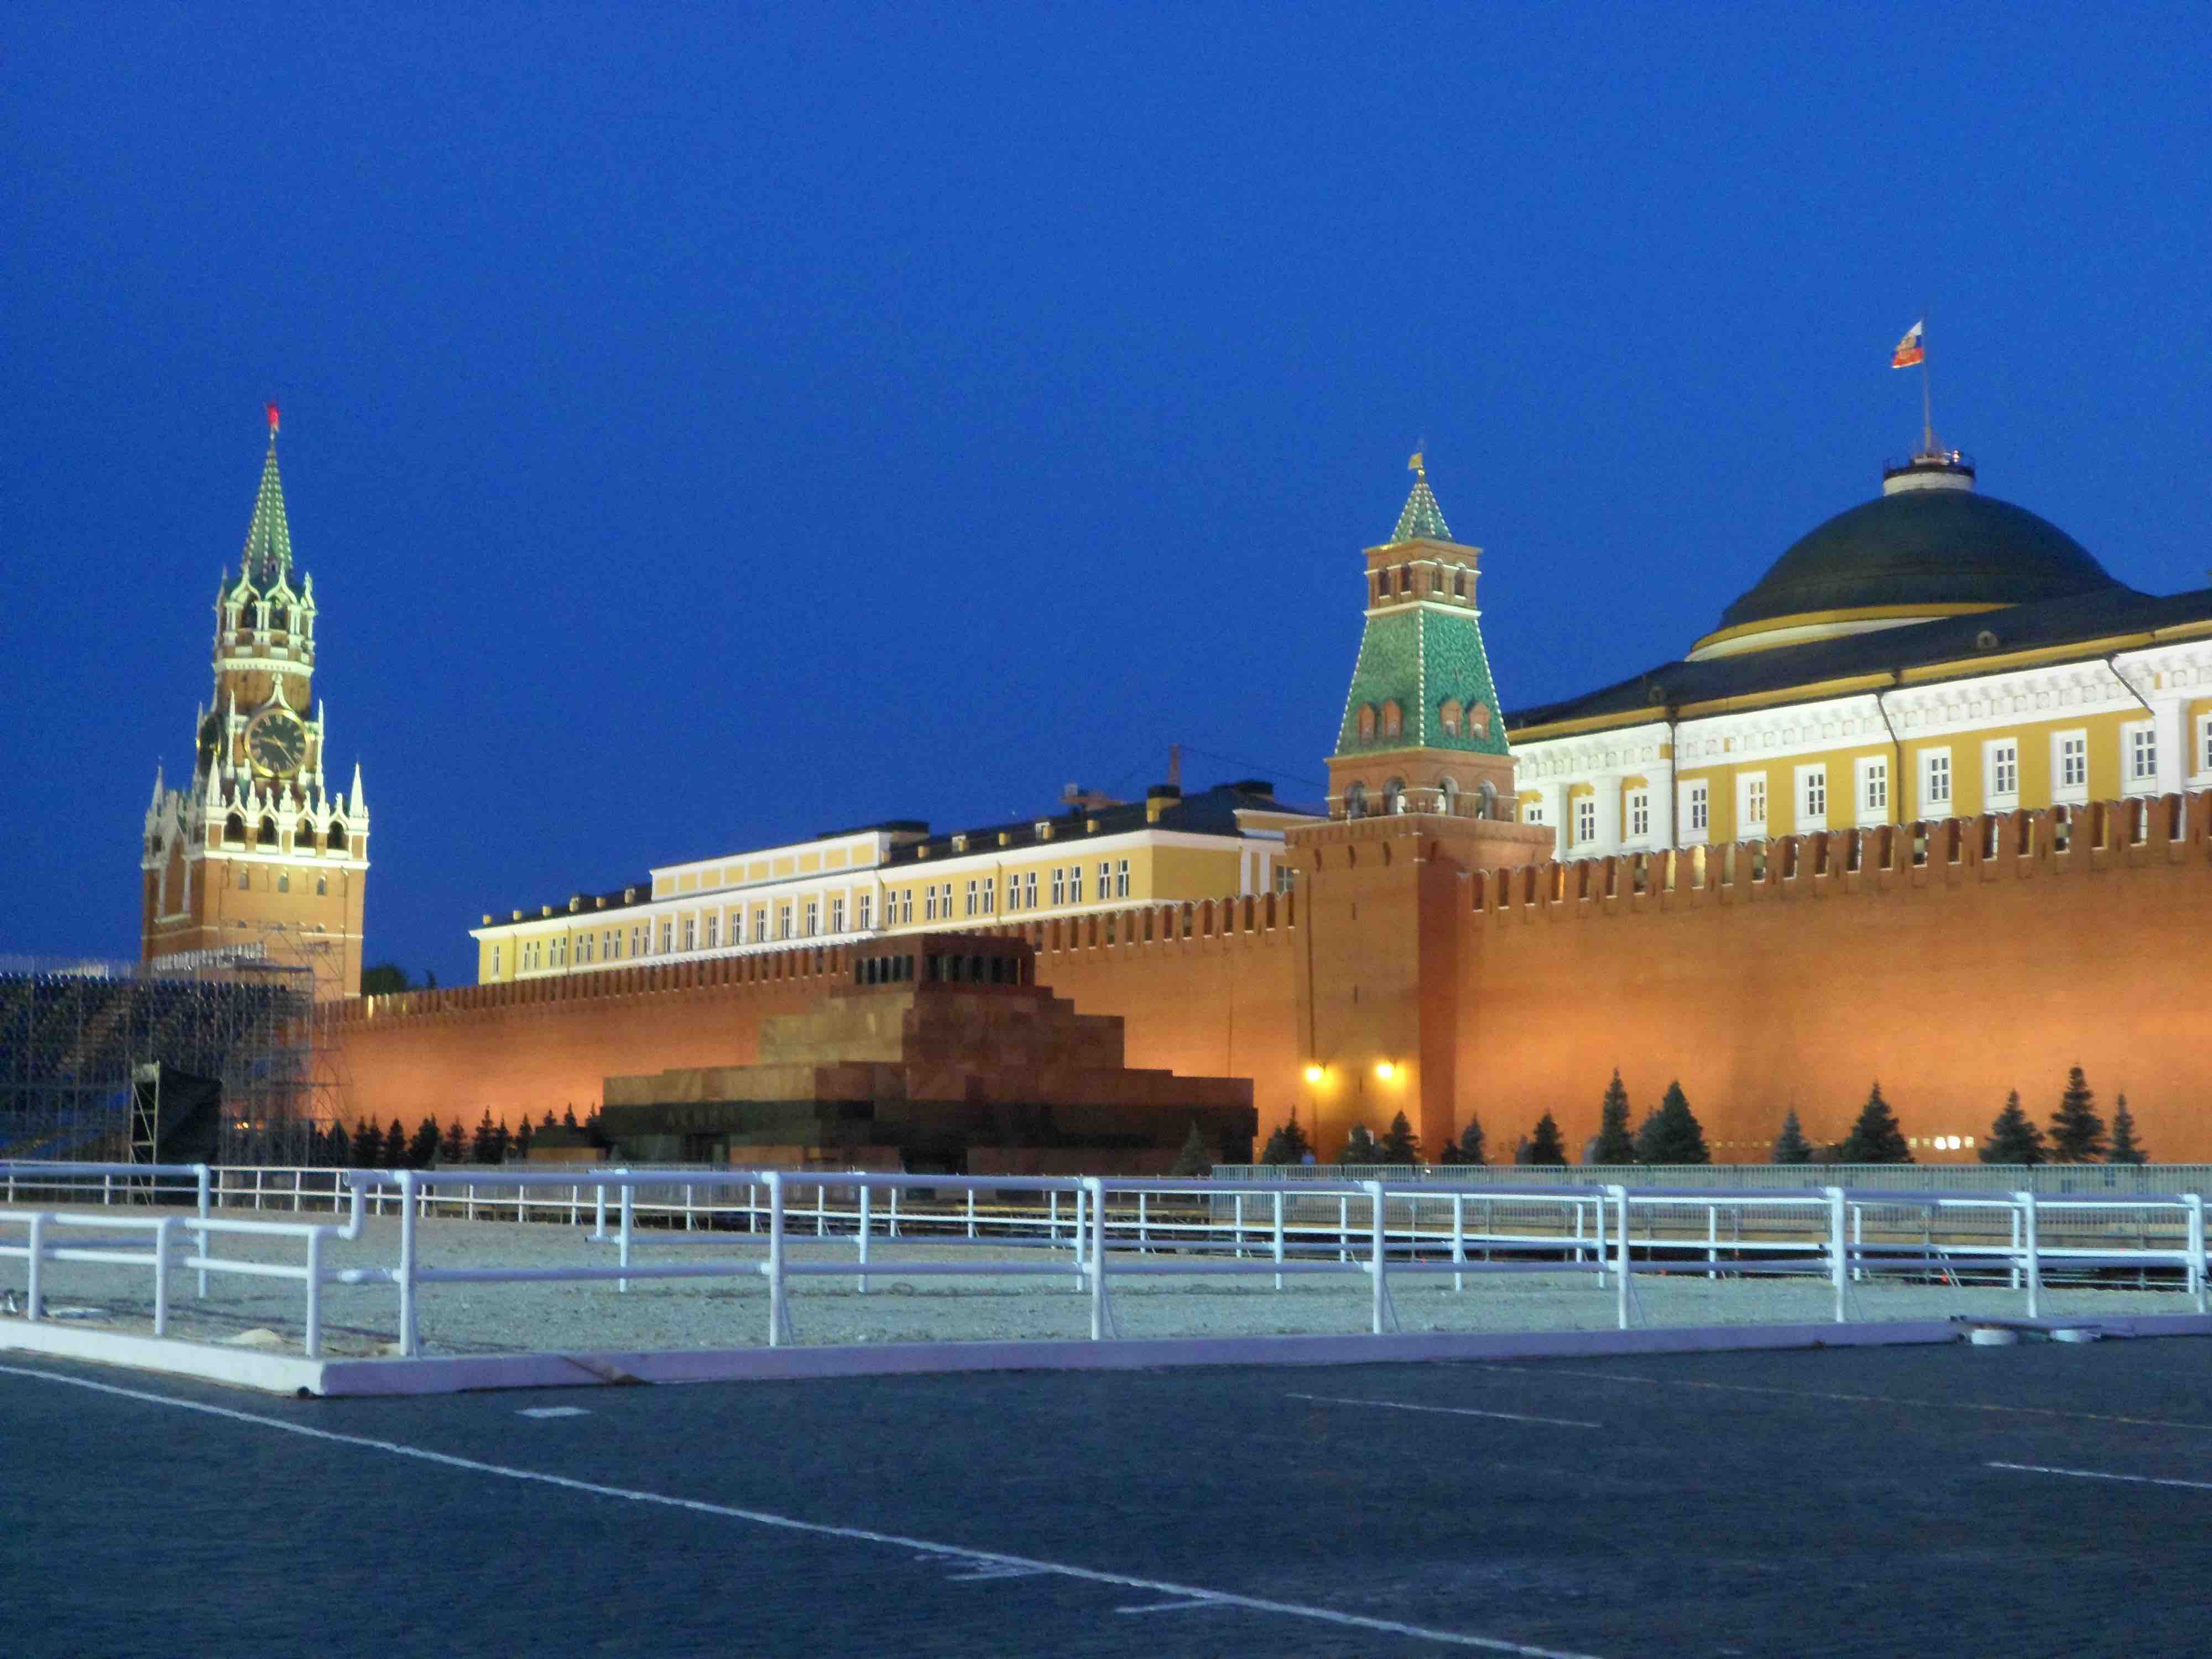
1158,798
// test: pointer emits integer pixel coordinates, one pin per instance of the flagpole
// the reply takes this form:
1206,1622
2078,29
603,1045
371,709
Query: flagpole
1927,400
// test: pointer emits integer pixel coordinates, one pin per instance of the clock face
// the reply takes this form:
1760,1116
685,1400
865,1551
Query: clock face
278,744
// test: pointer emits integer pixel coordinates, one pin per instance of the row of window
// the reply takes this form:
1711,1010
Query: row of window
791,918
1399,582
1387,719
1397,797
303,837
283,881
2000,766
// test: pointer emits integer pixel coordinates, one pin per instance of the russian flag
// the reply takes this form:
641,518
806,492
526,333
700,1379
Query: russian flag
1910,350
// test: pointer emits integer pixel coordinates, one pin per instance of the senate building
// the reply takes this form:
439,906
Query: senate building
1931,803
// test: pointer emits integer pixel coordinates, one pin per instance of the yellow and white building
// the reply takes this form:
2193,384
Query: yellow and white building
1932,653
1093,855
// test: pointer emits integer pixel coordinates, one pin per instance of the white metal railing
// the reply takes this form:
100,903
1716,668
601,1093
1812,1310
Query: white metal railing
1091,1230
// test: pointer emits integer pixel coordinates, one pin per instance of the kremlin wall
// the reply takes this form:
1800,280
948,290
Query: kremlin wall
1797,978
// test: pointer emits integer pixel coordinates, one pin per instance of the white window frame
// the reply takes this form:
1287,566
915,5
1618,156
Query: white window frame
2139,757
1813,797
1075,884
667,935
929,901
971,896
1029,890
691,933
1059,884
1585,819
1936,770
837,913
2069,747
1121,879
1638,815
494,961
1997,755
813,918
1870,788
2203,749
1750,805
865,912
1697,810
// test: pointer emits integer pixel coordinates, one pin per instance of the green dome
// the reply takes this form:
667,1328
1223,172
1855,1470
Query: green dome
1948,549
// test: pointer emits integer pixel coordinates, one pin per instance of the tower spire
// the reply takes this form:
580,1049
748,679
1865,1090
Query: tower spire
1420,518
269,538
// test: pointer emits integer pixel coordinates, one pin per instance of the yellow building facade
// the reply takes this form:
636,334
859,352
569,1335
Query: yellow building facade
1093,855
1931,655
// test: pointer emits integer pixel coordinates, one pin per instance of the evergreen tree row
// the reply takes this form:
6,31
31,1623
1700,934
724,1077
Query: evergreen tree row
366,1147
2077,1133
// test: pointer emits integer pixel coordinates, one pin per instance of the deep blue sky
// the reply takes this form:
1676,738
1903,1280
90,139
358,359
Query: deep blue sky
709,427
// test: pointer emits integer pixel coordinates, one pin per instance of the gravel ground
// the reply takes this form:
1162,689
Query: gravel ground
477,1318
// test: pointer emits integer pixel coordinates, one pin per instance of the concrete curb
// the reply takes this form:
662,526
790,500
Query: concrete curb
467,1373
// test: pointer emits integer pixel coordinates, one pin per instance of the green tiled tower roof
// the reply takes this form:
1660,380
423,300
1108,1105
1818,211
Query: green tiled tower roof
268,560
1420,518
1421,656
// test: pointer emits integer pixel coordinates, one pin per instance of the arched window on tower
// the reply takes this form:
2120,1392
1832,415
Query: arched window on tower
1355,801
336,841
269,832
1485,799
1459,584
233,830
1448,796
1366,720
1478,719
1394,719
1448,717
1394,797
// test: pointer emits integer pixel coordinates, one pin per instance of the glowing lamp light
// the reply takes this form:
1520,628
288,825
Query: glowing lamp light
1313,1073
1385,1070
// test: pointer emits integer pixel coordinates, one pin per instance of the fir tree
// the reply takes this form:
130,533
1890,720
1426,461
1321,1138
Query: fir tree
423,1150
549,1122
1193,1159
395,1146
1790,1147
338,1147
1288,1144
1358,1146
2126,1148
1544,1148
2013,1137
522,1138
367,1147
452,1146
1398,1144
1469,1148
1615,1145
1671,1134
1876,1137
2078,1133
570,1120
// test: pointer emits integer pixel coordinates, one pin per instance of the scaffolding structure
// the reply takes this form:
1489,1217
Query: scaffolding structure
96,1056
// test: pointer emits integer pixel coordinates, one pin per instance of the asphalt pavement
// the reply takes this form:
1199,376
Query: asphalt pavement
2041,1499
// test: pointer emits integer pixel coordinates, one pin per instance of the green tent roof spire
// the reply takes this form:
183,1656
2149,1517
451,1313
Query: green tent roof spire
269,538
1420,518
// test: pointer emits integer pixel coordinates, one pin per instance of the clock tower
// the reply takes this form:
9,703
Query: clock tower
259,857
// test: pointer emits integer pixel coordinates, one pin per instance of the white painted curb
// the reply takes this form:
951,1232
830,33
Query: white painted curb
212,1362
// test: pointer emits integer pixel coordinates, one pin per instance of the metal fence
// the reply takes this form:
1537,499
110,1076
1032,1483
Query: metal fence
1089,1232
2050,1180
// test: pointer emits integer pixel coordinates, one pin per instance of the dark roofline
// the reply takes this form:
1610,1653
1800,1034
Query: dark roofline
2045,624
1210,812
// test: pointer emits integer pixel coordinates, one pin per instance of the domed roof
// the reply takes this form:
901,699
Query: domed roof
1928,547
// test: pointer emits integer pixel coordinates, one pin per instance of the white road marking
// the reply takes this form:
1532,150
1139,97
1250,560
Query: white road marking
992,1572
815,1529
2100,1475
1447,1411
552,1411
1851,1399
1170,1607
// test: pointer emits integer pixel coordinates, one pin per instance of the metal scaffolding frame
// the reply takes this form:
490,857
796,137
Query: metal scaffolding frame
86,1047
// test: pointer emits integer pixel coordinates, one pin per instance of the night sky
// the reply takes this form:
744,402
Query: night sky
706,428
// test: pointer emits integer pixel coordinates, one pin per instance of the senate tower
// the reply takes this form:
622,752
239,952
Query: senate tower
259,858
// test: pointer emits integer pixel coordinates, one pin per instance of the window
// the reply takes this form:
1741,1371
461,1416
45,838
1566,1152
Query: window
637,941
2073,767
713,932
691,933
1639,812
2143,754
929,901
971,896
1394,719
1585,819
760,925
2204,742
991,894
1058,886
837,915
1394,797
1812,796
1355,802
906,906
1284,877
783,921
1534,813
494,961
1405,579
1448,717
1935,779
867,917
1459,584
2002,761
245,878
1874,789
1029,891
283,881
1120,878
1698,807
1075,884
1366,720
667,936
1751,805
813,917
